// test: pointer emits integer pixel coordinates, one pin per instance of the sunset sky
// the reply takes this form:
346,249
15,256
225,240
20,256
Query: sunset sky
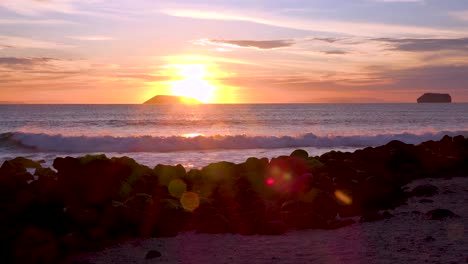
234,51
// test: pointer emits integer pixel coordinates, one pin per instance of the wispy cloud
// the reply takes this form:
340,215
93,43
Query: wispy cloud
23,61
408,44
330,26
460,15
36,7
20,42
256,44
91,38
34,22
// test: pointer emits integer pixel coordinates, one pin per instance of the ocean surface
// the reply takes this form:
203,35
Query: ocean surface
196,135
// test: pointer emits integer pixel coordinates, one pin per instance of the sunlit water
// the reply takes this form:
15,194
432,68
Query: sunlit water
195,135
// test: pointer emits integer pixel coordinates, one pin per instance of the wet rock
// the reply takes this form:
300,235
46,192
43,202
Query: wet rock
439,214
425,190
152,254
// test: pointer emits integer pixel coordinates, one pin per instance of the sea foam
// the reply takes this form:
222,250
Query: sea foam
82,144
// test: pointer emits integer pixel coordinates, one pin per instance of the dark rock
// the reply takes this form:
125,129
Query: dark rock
426,201
439,214
27,163
429,239
435,98
36,245
426,190
45,172
387,215
448,192
152,254
212,224
371,217
300,153
273,228
12,168
335,224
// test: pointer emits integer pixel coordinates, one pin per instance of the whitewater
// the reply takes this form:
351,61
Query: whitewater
196,135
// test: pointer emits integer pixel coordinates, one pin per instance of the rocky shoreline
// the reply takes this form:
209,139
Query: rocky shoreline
89,203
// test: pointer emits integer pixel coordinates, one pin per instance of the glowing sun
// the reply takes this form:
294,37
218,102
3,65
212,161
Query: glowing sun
193,83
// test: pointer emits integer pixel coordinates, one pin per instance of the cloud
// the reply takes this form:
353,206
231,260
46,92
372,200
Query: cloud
23,61
91,38
36,7
257,44
34,22
368,29
27,43
409,44
460,15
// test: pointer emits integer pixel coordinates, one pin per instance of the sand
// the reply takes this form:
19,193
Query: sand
409,237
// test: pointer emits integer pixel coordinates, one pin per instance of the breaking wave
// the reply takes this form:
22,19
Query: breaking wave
87,144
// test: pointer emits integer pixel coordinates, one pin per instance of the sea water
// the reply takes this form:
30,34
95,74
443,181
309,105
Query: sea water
196,135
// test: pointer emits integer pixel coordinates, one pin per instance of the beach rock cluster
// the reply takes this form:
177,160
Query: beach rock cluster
92,202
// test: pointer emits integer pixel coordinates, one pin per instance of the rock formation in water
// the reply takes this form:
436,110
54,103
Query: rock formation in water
171,99
435,98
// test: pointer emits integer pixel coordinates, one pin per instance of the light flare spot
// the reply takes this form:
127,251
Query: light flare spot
177,187
191,135
287,176
275,171
270,181
343,197
190,201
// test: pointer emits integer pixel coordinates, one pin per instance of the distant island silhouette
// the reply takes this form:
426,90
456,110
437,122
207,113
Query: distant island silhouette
172,99
435,98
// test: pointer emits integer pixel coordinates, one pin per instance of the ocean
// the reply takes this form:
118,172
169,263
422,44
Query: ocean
196,135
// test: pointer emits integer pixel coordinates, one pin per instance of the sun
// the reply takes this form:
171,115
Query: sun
193,82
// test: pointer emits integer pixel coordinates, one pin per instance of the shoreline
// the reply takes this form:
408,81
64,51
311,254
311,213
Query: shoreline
94,202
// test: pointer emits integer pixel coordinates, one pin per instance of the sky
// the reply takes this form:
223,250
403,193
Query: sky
233,51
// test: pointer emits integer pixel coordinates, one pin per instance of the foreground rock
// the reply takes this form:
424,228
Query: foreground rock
439,214
92,202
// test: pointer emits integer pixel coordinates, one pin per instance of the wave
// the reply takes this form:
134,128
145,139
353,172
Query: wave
89,144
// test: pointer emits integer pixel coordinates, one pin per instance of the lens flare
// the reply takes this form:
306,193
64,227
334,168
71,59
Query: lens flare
343,197
190,201
270,181
177,187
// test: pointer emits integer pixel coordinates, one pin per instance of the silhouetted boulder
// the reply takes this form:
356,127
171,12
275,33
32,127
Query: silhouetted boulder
152,254
439,214
435,98
371,217
335,224
45,172
426,190
300,153
27,163
273,228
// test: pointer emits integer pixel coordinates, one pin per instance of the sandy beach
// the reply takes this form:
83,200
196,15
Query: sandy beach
408,237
